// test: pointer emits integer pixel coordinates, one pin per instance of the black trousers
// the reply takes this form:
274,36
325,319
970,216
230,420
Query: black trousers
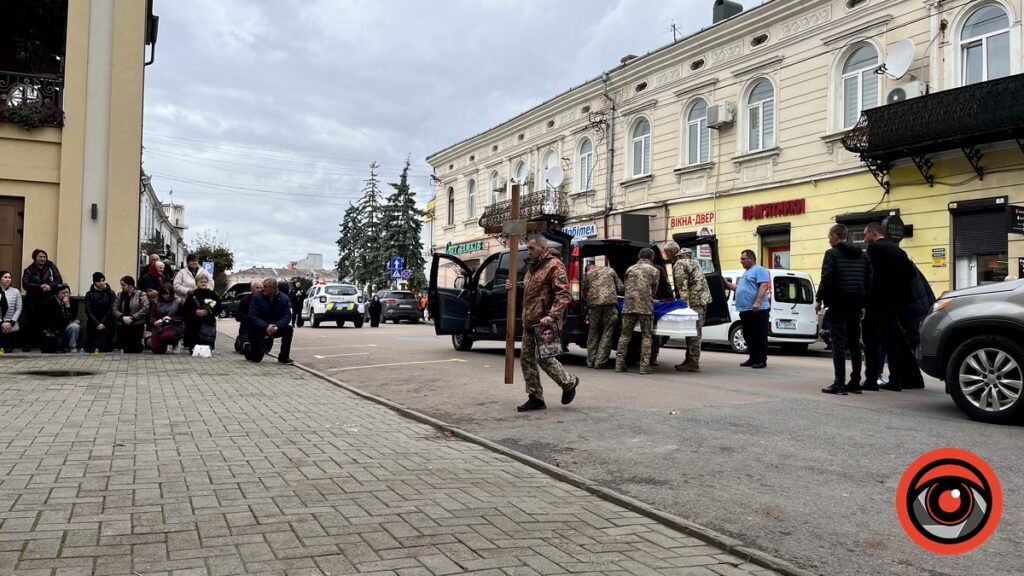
256,337
885,330
297,316
102,340
844,327
129,337
755,332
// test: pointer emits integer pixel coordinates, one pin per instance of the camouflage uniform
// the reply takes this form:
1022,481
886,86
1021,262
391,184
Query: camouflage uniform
641,284
691,286
545,293
600,290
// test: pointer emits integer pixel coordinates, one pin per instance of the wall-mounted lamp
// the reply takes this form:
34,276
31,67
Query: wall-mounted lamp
95,212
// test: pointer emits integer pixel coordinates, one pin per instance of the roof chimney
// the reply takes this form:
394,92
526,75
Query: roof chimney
626,58
724,9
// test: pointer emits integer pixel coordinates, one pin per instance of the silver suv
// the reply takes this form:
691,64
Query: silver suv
974,340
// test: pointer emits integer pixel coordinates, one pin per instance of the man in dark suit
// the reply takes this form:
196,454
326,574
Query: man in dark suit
270,314
892,273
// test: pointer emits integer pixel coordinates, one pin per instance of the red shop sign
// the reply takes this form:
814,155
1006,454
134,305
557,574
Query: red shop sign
775,209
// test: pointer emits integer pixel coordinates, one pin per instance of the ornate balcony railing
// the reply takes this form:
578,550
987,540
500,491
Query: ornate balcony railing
31,100
960,118
550,205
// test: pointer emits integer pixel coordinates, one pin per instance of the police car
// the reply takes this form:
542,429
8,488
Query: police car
339,302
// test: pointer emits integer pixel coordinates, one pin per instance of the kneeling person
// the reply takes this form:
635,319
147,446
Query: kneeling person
270,314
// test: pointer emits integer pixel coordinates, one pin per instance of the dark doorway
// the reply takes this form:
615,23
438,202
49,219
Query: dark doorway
12,218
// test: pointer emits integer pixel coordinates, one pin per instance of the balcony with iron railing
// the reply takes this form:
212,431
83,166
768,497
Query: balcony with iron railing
31,100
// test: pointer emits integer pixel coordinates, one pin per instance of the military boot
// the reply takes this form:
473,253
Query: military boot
688,366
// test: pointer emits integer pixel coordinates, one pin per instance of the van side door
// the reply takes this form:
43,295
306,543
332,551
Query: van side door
451,308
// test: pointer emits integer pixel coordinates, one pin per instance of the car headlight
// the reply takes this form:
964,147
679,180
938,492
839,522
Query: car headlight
941,304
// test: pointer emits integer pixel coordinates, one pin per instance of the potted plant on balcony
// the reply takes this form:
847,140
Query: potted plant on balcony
31,114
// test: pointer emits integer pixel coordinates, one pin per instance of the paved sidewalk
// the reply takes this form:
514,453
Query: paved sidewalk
181,466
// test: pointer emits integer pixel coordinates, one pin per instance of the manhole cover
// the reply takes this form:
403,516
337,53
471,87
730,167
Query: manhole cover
57,373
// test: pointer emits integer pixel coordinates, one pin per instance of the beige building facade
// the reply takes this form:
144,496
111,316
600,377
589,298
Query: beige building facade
72,188
742,130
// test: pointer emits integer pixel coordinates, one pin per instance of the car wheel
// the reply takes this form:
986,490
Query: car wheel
358,323
340,323
461,342
316,320
396,320
736,339
985,376
415,320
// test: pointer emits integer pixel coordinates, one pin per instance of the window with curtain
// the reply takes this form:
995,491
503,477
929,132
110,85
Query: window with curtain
859,89
641,152
985,45
522,174
586,165
451,207
697,134
761,117
471,199
497,190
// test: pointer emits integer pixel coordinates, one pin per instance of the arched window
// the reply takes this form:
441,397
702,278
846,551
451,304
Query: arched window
497,188
985,45
522,175
471,199
641,150
550,161
698,137
451,206
585,163
761,117
859,90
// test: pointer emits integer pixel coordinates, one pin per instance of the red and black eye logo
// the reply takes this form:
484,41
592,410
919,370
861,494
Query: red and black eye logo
949,501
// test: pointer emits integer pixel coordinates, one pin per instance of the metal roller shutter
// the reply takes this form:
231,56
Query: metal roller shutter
980,232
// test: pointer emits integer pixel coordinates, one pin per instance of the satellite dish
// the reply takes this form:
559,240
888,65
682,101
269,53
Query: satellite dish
899,59
555,176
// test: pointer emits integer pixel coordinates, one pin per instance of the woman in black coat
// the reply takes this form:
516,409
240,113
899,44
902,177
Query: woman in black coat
200,308
374,309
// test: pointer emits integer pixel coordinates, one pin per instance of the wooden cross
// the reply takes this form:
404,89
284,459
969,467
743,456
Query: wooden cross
514,228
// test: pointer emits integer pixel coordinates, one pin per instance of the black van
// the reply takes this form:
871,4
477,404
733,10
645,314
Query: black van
475,308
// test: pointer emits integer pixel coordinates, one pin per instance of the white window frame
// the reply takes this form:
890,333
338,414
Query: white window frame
642,167
471,198
840,84
960,45
749,110
450,206
521,175
495,195
585,181
703,132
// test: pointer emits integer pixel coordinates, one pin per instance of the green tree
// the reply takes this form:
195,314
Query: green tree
402,237
348,243
371,258
210,246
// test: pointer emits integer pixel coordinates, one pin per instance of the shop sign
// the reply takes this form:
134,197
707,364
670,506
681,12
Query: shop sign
691,220
894,229
581,230
938,257
464,248
775,209
1017,219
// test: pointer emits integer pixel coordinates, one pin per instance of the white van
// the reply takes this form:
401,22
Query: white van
793,323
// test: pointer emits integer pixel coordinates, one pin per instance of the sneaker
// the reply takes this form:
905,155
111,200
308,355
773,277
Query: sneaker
570,393
285,361
835,388
532,403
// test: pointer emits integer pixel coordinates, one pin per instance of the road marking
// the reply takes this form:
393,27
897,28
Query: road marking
337,346
319,357
392,364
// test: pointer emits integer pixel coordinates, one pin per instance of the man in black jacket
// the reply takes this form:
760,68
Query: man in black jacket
99,310
270,314
845,281
893,273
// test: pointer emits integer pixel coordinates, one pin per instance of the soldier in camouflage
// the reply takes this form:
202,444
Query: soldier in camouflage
641,284
600,290
692,287
546,294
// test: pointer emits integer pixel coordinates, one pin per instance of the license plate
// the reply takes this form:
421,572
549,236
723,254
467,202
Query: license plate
405,305
786,324
340,306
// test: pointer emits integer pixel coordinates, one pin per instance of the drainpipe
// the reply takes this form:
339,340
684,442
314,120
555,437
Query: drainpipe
611,153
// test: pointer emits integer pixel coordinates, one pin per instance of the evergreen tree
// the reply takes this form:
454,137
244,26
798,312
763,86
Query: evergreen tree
371,259
348,243
403,232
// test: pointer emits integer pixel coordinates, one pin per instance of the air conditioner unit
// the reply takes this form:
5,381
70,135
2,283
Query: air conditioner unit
901,92
720,114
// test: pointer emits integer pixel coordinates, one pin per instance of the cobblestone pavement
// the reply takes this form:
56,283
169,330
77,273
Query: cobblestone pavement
181,466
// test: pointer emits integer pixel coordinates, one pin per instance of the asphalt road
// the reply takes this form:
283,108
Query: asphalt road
762,456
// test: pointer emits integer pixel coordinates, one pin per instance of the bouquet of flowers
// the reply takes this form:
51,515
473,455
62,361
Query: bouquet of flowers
209,304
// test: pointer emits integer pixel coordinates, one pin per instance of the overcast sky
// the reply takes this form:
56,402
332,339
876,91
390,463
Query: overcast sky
263,116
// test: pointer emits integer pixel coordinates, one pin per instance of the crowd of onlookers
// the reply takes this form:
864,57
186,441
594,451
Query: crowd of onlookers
156,311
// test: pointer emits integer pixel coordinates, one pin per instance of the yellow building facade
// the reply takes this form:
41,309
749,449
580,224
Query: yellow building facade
73,190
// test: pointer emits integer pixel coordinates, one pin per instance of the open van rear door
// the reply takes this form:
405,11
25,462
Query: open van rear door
450,308
717,311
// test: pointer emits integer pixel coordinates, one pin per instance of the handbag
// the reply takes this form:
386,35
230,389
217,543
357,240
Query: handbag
207,334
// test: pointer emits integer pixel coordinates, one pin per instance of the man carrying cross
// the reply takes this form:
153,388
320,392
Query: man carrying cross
546,294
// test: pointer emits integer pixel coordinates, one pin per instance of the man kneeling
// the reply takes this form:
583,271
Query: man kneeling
270,313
